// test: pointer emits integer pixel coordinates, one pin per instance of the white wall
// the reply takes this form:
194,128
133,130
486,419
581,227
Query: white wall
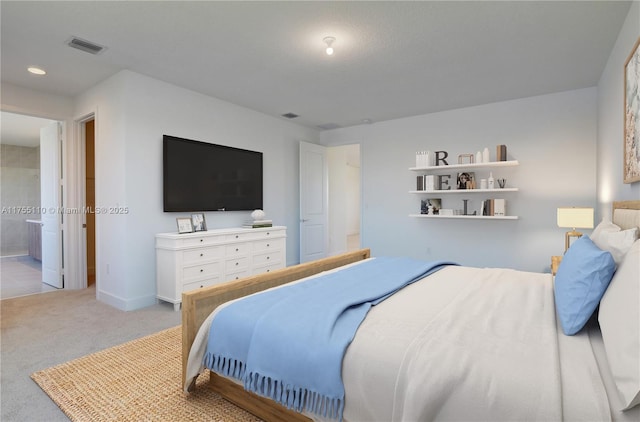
133,112
552,136
611,118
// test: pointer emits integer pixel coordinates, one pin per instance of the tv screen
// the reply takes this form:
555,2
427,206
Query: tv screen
200,176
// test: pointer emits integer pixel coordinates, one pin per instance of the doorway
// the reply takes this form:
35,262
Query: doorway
21,223
90,199
330,205
344,198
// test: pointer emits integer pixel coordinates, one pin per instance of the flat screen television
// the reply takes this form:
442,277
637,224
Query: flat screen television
199,176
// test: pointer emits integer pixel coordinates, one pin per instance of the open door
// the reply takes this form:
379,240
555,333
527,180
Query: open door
51,216
90,201
314,194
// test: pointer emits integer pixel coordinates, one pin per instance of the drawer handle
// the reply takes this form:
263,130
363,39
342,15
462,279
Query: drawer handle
268,233
268,245
237,263
268,257
268,270
237,249
237,277
201,270
201,254
237,236
202,240
201,286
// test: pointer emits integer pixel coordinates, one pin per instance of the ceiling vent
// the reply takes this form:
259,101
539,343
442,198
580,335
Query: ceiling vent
328,126
86,46
290,115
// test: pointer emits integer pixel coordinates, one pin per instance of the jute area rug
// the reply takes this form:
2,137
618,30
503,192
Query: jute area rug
136,381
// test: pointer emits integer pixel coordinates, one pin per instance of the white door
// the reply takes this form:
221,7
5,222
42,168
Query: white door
50,177
314,194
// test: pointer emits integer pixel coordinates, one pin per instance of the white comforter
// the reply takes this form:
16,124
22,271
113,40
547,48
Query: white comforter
468,344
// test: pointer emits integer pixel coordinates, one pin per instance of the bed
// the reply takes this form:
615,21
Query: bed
447,350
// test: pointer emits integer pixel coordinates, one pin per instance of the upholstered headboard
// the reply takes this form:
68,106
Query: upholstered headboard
626,214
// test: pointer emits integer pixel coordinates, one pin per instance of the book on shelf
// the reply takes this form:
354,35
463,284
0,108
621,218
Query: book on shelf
494,207
487,207
425,182
499,207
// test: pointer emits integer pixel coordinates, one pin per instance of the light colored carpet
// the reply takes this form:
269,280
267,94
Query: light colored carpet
138,380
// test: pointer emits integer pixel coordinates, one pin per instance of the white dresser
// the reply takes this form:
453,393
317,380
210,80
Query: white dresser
194,260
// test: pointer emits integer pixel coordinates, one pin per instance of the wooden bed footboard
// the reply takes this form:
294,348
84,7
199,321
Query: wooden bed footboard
198,304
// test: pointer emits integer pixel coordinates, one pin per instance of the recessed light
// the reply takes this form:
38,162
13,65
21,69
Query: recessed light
36,70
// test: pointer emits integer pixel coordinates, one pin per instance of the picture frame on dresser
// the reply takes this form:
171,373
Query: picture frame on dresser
631,147
185,225
199,222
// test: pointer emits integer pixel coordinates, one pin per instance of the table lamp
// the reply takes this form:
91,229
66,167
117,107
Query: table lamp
574,218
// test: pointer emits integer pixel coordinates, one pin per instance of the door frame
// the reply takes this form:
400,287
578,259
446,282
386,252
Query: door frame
65,125
77,251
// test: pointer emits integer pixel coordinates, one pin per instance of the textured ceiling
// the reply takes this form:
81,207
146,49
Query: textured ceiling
392,59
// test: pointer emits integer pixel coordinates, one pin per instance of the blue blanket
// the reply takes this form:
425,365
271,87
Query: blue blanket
288,344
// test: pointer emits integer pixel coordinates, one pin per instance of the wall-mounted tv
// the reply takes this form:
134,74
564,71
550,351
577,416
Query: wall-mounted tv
199,176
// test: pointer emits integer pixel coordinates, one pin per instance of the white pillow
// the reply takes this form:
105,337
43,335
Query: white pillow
605,226
619,318
617,243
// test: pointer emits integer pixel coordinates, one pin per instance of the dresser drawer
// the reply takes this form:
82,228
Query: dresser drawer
237,275
211,269
267,268
200,241
200,284
268,258
238,249
236,264
267,234
239,237
192,256
268,245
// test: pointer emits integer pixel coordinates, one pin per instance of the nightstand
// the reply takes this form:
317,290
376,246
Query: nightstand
555,263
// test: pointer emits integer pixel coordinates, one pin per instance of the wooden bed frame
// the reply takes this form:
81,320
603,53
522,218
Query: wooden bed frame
198,304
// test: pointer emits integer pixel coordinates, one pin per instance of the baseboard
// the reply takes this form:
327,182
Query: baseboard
125,304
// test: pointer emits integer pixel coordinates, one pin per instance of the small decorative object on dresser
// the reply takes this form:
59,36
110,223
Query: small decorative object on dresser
199,223
184,225
258,220
258,214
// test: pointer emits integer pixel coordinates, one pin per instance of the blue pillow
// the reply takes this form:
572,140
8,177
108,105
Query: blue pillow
581,280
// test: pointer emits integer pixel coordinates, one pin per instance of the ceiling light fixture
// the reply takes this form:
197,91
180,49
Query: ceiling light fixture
329,41
36,70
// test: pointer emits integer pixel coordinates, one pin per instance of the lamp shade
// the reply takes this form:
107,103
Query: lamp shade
575,217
